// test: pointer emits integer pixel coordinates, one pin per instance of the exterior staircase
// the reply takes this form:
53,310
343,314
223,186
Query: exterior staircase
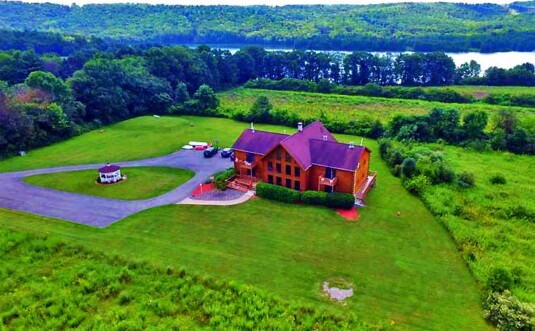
241,184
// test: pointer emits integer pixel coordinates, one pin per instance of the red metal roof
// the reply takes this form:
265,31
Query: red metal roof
109,168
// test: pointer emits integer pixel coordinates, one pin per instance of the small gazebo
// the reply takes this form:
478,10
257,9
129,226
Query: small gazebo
110,173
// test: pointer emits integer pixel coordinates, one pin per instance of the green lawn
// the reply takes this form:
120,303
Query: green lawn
345,108
141,183
406,269
134,139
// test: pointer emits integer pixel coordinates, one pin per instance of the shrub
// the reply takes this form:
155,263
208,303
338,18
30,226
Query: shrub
497,179
499,279
416,185
220,178
278,193
408,167
314,197
385,146
508,313
340,200
466,179
396,157
444,174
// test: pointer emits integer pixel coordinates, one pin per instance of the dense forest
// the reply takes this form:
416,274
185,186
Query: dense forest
443,27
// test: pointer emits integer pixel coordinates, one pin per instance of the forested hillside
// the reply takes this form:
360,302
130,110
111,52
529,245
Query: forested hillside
386,27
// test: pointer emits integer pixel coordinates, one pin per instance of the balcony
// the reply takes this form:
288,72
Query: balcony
246,165
328,181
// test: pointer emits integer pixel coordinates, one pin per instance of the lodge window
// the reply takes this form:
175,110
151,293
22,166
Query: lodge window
297,172
270,166
288,183
279,181
279,169
330,173
287,157
250,157
270,179
278,154
297,185
288,169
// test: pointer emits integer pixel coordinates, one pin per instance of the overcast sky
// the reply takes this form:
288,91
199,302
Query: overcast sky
256,2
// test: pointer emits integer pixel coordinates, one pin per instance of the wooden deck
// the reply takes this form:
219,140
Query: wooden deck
243,184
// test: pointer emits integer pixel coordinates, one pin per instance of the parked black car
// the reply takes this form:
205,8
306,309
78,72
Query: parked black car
210,151
226,152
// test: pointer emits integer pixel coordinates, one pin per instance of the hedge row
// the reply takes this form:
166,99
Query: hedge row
278,193
283,194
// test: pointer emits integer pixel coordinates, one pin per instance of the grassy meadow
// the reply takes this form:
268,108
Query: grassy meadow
73,288
479,92
345,108
493,224
141,183
404,266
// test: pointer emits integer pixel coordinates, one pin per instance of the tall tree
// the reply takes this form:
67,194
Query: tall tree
260,110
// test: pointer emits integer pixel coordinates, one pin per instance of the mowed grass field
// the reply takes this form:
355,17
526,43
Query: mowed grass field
345,108
141,182
406,270
134,139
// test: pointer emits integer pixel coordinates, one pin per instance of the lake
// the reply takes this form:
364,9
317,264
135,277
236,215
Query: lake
504,60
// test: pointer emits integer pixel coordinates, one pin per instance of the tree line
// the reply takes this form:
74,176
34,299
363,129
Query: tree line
38,107
397,27
46,98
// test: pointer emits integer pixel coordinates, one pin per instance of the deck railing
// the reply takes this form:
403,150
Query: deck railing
364,189
246,165
328,181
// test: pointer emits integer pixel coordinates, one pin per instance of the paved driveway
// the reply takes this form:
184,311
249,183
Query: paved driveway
96,211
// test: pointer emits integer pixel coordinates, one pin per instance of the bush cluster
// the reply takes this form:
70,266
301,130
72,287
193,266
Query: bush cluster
317,198
499,279
220,178
508,313
418,166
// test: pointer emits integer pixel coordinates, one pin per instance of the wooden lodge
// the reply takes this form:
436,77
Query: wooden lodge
310,159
